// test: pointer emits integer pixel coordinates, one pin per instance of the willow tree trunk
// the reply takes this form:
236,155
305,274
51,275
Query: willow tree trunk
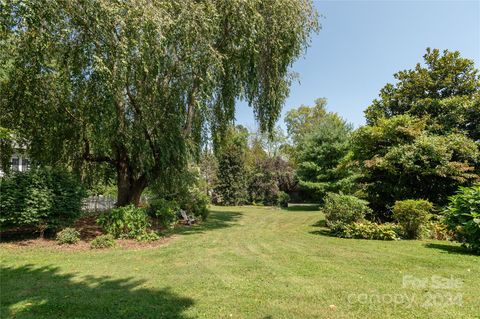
129,187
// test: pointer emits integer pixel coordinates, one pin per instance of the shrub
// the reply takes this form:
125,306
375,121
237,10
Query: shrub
125,222
165,211
462,216
42,198
103,241
195,203
370,230
68,236
148,236
283,199
341,210
439,231
412,215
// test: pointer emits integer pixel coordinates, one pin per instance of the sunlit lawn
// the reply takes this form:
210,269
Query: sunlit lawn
245,262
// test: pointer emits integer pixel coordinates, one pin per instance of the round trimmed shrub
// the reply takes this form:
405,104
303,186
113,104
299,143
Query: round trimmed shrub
68,236
341,210
103,241
412,215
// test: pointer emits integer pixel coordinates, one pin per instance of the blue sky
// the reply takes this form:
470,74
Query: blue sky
363,43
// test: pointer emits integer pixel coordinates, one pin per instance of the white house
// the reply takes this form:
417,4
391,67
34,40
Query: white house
19,162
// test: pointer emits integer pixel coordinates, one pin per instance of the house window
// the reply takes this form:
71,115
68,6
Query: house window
15,164
25,164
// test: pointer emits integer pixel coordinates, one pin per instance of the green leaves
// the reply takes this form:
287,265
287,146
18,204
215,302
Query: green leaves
445,91
462,216
39,197
136,83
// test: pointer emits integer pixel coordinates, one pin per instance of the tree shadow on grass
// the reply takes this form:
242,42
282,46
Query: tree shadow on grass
29,292
215,220
321,229
451,249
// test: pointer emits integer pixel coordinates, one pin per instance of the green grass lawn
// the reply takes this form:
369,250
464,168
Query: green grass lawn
245,262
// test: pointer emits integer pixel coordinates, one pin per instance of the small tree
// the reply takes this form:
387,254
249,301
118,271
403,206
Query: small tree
232,174
319,155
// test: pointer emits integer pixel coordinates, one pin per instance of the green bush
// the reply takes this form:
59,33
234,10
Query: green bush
125,222
341,210
148,236
165,211
42,198
412,215
68,236
438,230
195,203
103,241
462,216
369,230
283,199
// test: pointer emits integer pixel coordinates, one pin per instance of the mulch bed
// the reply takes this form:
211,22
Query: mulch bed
88,228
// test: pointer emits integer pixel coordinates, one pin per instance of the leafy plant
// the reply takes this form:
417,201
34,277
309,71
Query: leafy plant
232,174
125,222
438,230
68,236
283,199
412,215
42,198
369,230
165,211
148,236
195,203
341,210
103,241
462,216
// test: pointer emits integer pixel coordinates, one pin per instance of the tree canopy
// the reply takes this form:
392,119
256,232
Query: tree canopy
320,154
446,90
421,141
138,84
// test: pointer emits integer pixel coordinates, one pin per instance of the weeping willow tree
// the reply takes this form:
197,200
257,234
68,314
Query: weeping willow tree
137,84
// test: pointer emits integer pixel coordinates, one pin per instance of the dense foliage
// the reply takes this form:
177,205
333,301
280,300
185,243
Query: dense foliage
412,216
68,235
342,210
135,84
462,216
370,230
319,156
445,91
302,120
125,222
232,171
269,177
164,211
41,198
103,241
401,159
